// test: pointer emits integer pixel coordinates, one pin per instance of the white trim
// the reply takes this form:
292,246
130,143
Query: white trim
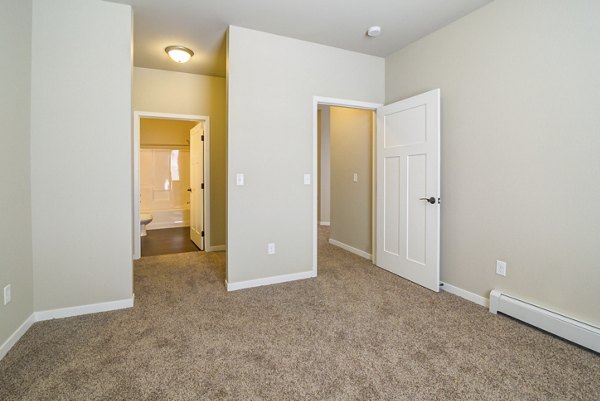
579,332
206,179
135,188
83,309
216,248
357,104
16,336
269,280
330,101
469,296
374,188
61,313
137,116
325,223
352,249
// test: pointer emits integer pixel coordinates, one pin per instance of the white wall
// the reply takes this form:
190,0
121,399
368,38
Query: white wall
81,152
181,93
15,195
325,167
520,147
271,84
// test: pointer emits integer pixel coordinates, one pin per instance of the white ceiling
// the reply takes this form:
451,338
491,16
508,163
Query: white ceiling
201,25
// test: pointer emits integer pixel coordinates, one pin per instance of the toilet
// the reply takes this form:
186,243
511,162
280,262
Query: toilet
145,219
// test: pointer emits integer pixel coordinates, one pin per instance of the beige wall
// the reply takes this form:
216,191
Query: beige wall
271,84
182,93
15,196
155,132
351,152
324,166
520,148
81,153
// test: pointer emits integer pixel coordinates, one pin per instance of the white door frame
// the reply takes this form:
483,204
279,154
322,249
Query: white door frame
329,101
137,116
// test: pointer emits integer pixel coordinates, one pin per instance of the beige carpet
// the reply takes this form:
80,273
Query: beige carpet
354,333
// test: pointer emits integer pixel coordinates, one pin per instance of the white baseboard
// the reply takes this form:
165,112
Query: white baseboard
83,309
469,296
325,223
60,313
216,248
349,248
269,280
12,340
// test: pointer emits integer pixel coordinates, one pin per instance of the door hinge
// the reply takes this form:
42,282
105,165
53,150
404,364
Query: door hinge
203,233
202,137
202,186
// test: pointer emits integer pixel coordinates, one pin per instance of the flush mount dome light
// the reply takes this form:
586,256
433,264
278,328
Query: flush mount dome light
374,31
179,54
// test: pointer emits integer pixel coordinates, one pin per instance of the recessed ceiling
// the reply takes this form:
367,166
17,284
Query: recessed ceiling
201,25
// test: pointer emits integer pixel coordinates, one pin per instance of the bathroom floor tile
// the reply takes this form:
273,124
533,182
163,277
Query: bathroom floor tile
168,240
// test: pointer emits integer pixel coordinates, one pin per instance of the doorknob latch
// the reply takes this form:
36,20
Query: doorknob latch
431,200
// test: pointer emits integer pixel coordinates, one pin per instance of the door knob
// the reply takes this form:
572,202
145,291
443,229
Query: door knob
430,200
189,189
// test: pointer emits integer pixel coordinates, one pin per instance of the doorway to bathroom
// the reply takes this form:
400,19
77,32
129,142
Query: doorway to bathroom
171,170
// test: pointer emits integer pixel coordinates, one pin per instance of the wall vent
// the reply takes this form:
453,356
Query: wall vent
568,328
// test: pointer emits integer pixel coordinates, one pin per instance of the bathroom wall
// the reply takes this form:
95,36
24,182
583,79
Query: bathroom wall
15,195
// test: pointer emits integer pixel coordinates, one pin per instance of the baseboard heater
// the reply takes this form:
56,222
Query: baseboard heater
573,330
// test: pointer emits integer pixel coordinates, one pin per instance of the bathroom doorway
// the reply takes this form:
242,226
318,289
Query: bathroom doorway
171,171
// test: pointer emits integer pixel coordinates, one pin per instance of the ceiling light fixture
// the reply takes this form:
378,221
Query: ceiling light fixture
179,54
374,31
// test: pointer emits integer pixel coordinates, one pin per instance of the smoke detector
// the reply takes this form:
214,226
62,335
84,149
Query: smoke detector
374,31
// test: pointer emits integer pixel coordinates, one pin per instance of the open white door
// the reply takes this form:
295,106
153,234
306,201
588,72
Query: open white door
197,185
408,188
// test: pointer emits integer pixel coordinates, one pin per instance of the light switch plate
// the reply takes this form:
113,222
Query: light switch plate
271,248
7,294
306,179
501,268
239,179
355,178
